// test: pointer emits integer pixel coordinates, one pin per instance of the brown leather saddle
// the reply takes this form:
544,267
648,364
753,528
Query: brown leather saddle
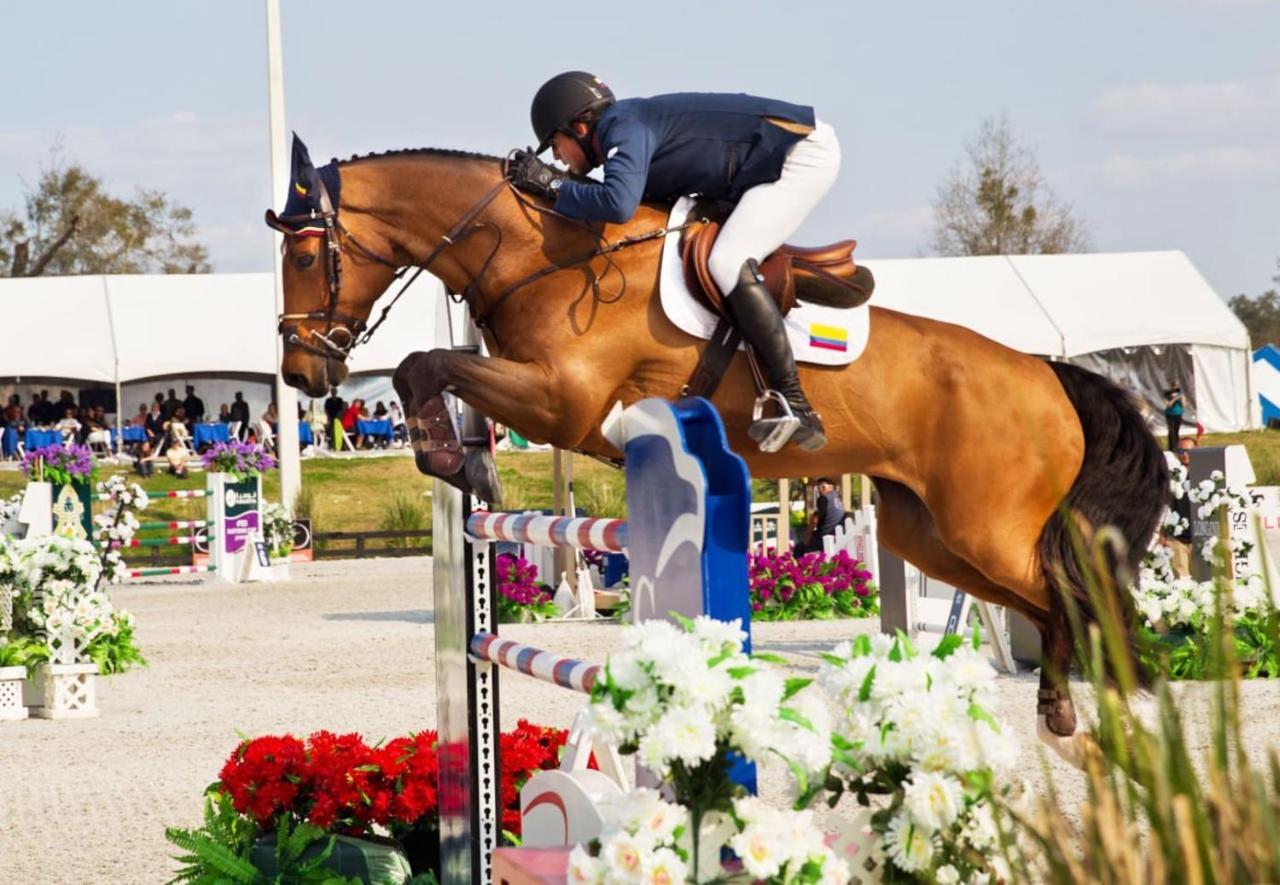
824,275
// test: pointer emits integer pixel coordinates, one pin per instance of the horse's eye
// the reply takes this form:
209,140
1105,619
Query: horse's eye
304,261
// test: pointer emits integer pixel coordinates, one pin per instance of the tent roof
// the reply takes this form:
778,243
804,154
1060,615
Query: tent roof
1065,305
158,325
178,324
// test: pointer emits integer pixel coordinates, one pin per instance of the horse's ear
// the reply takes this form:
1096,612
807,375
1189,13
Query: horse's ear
302,171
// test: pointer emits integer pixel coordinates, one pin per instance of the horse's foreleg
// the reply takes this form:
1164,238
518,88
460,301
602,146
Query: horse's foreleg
520,395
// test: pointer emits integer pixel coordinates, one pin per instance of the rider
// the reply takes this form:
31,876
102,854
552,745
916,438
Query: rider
773,159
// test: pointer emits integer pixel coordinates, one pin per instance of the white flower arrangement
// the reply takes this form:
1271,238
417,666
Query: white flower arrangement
116,527
65,606
918,729
647,839
277,529
681,699
1185,602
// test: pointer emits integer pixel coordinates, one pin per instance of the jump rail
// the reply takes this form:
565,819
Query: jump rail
688,501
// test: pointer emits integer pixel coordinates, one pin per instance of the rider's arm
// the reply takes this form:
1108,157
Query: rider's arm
628,145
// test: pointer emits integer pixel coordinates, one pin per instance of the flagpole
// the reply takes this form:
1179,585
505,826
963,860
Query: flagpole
286,396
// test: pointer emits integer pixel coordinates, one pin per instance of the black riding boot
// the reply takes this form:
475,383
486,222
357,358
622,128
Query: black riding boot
756,316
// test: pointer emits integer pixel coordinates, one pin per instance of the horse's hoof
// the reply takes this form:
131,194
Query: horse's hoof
482,475
1070,748
437,451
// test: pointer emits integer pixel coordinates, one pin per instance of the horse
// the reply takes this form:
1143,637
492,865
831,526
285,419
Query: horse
989,463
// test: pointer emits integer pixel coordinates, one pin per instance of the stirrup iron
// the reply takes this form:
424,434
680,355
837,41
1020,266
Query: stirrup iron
772,433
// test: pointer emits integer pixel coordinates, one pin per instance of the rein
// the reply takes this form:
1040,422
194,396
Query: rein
355,331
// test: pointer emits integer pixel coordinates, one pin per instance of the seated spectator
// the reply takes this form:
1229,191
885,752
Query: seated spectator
355,413
224,414
144,461
69,427
379,412
155,424
140,419
266,425
399,429
96,434
178,456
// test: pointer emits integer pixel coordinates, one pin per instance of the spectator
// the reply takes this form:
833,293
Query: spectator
827,515
12,423
1180,544
171,404
240,414
379,412
194,406
271,416
69,426
96,434
140,419
354,414
1173,408
334,410
155,424
143,463
224,414
399,429
159,400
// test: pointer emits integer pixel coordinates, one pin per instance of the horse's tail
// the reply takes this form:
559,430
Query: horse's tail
1123,483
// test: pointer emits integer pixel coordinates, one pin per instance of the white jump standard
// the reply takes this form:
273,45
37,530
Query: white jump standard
688,528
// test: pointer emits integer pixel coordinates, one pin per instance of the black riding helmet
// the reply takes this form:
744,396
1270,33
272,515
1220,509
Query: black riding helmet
563,99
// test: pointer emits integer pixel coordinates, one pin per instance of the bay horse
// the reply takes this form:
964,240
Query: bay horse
987,461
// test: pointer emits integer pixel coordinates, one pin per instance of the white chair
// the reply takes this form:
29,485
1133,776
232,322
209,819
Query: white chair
265,435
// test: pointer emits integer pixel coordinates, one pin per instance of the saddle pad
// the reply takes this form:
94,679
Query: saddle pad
820,336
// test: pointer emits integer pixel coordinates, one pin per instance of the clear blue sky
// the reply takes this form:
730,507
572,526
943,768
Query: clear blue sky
1159,122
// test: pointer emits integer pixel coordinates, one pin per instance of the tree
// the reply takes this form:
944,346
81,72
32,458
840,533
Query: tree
995,202
71,225
1260,315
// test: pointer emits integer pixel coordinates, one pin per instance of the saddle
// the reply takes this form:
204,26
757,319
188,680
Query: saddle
825,275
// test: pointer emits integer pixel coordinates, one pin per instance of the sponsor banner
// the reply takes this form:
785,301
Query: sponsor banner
242,514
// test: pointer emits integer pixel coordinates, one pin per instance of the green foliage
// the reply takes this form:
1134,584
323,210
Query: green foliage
601,498
23,651
71,225
996,202
304,504
1188,653
1260,315
219,853
116,653
406,511
1156,810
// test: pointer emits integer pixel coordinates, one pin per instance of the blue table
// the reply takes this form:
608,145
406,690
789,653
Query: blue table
38,439
210,432
304,433
8,442
130,434
380,429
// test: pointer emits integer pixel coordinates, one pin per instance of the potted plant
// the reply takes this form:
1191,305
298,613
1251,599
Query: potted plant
278,533
59,490
235,485
19,656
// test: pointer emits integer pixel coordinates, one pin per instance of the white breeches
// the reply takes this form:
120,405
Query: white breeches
769,213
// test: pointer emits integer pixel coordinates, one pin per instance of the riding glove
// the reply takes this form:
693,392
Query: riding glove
530,174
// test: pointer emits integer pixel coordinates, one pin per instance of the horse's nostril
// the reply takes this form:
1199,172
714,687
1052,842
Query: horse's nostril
295,379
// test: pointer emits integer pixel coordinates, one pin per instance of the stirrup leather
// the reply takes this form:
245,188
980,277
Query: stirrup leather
772,433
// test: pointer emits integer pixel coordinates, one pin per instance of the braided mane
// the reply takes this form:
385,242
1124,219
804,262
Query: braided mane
413,152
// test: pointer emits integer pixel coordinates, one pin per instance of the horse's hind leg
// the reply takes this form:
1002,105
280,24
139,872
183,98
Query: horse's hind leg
906,527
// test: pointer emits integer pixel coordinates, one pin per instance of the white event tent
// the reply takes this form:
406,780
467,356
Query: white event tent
148,332
1147,319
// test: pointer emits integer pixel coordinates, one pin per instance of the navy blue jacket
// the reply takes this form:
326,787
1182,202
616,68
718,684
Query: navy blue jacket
711,144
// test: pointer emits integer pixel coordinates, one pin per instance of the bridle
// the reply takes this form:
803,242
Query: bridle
343,332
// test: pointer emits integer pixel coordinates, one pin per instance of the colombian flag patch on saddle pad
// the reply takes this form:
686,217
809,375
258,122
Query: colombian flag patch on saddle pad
828,337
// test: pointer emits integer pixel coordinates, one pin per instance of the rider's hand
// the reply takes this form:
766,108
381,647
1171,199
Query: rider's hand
530,174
